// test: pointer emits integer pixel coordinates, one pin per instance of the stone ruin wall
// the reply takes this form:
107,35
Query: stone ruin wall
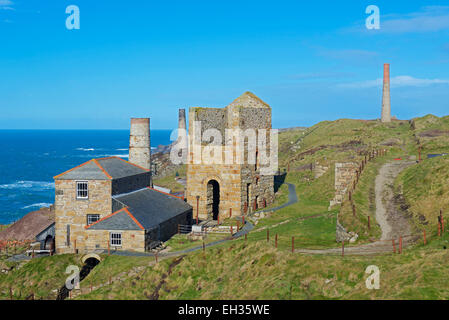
232,178
345,173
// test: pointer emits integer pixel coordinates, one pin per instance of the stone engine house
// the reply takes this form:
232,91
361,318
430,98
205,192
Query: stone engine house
222,189
109,203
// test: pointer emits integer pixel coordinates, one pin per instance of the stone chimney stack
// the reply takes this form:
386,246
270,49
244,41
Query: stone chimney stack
182,134
182,119
386,102
139,142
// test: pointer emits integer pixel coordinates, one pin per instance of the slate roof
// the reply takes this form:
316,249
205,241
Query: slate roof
120,220
102,169
144,209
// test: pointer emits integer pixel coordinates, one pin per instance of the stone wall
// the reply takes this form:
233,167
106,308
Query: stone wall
345,173
72,212
319,170
132,240
139,142
240,183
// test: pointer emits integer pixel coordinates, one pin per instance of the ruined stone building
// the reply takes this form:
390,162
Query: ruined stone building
109,203
227,188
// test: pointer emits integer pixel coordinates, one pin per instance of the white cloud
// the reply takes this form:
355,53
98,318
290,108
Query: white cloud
6,5
399,81
428,19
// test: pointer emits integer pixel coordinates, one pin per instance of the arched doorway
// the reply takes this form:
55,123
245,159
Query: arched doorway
213,199
49,243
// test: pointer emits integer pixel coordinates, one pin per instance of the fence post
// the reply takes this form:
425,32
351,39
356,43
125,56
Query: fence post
204,247
10,293
353,210
230,212
400,245
394,246
369,222
156,256
268,234
343,248
293,244
276,241
424,237
231,231
74,246
439,229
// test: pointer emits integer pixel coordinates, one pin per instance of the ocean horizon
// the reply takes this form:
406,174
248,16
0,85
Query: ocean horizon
31,158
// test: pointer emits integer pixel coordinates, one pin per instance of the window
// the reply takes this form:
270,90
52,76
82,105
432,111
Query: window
82,191
257,160
67,240
116,239
91,218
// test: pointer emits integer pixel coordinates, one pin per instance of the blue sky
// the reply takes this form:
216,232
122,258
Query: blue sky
310,60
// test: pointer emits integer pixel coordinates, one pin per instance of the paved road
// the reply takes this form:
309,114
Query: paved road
292,199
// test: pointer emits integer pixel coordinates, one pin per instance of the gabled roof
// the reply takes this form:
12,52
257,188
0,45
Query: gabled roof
144,209
249,100
102,169
119,220
30,225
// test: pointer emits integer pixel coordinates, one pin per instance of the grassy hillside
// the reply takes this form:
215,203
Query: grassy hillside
267,273
255,269
426,190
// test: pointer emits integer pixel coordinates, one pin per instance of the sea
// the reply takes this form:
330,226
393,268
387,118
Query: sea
29,159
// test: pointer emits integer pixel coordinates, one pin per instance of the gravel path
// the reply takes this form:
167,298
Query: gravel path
393,222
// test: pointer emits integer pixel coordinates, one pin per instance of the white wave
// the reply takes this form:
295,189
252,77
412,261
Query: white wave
85,149
125,149
39,205
39,185
118,155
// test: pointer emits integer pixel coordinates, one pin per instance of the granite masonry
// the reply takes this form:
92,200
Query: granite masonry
220,189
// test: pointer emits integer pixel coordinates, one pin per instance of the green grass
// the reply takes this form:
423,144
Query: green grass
259,271
182,242
170,182
39,276
425,187
112,266
255,269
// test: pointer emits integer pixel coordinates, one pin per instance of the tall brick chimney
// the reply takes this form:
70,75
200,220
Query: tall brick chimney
386,102
139,142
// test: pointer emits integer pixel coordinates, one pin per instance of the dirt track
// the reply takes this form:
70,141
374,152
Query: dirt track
393,222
